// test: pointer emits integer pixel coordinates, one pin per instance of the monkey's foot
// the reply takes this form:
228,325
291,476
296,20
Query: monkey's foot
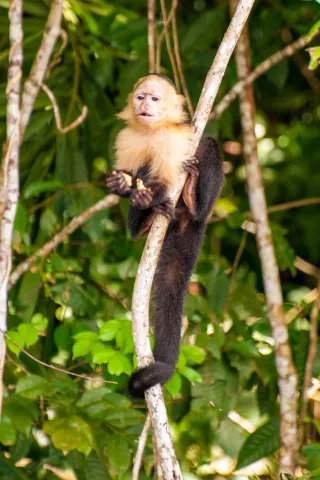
141,198
191,166
118,182
165,208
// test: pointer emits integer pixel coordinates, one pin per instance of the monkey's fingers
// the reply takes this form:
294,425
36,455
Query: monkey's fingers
191,166
166,208
141,198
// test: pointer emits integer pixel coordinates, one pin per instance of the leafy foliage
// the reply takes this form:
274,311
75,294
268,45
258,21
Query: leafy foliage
72,308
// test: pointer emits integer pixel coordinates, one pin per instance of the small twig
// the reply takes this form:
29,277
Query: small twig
57,116
237,260
263,67
291,314
312,352
160,37
51,32
48,365
57,57
16,364
141,446
151,35
177,55
307,267
107,202
281,207
168,41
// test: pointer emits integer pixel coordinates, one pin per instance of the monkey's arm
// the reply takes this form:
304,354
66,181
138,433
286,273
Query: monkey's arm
205,180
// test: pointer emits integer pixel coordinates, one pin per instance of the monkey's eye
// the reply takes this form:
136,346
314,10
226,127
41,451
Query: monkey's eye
155,99
140,97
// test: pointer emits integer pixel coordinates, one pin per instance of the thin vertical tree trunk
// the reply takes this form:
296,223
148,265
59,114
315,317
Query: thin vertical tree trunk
287,377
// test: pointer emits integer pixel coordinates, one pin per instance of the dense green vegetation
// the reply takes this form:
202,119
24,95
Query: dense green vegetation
73,308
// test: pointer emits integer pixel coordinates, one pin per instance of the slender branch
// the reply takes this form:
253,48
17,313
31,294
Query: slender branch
57,116
141,446
151,35
239,87
307,267
237,260
291,314
144,278
281,207
312,352
176,49
166,24
287,377
107,202
34,81
168,41
49,365
9,182
57,57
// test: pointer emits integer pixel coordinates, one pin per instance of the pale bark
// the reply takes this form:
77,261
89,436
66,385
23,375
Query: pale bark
10,168
287,377
142,289
39,68
107,202
262,68
151,35
141,446
312,353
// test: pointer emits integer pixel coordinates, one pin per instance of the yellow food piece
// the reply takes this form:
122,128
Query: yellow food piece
140,184
128,179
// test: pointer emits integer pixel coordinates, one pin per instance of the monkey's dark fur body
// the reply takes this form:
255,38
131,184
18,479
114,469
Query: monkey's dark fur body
177,260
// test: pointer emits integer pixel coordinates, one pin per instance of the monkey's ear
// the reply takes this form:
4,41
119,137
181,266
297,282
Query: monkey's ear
127,114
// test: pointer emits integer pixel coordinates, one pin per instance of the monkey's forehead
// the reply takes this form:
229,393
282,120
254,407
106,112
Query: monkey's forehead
153,85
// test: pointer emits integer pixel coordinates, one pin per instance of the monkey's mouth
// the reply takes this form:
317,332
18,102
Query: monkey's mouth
145,114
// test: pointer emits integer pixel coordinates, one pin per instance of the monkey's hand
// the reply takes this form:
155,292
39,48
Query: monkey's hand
119,182
191,166
141,198
165,208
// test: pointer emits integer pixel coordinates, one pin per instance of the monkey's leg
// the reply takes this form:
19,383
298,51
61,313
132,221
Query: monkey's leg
120,183
189,190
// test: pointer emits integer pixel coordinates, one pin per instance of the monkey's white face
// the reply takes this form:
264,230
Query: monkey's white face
149,102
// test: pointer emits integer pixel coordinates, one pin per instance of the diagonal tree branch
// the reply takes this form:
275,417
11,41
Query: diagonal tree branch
107,202
143,283
9,187
287,377
33,83
263,67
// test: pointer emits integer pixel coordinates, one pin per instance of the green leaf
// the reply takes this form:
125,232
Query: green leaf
28,333
284,252
9,470
314,29
244,303
245,348
217,288
102,354
37,187
39,321
70,433
108,330
261,443
118,364
8,433
118,454
31,386
174,385
190,374
194,354
17,339
236,219
314,53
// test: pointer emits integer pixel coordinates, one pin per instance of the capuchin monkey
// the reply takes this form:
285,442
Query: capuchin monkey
151,152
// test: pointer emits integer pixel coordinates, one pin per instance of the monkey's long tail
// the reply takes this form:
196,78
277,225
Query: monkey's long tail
177,259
